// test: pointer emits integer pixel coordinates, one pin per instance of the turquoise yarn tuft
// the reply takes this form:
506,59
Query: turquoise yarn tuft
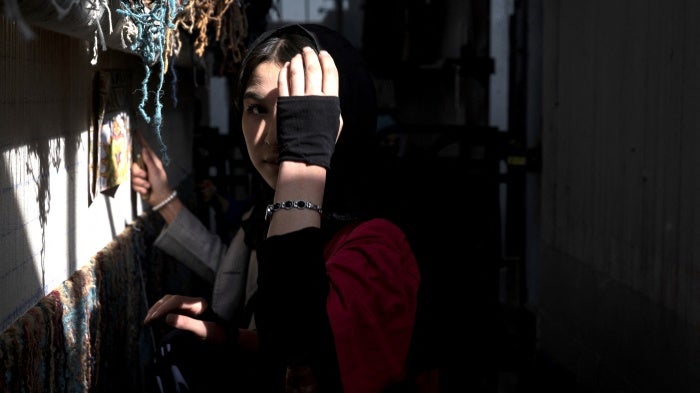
153,24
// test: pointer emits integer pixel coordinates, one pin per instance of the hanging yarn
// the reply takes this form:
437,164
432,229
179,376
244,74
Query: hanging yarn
95,19
232,39
197,14
63,10
154,26
173,83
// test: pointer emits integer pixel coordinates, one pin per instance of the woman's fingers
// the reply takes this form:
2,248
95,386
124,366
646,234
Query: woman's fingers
283,81
313,75
309,74
330,80
296,76
330,74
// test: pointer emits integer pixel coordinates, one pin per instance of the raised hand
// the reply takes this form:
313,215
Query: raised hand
308,109
310,74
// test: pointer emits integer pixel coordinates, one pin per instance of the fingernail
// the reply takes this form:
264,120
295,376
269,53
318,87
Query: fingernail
170,319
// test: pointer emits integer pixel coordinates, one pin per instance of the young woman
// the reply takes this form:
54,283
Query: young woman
337,282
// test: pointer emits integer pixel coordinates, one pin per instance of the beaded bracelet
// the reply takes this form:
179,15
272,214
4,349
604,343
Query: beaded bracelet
288,205
165,201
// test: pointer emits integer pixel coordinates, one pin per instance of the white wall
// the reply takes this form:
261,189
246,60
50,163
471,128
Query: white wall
47,229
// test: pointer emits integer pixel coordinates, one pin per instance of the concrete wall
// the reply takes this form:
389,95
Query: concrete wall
47,228
620,296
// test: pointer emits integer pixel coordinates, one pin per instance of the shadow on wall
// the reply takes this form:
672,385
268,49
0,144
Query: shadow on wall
26,201
21,284
26,178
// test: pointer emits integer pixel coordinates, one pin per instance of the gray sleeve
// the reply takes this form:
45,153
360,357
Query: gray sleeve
190,242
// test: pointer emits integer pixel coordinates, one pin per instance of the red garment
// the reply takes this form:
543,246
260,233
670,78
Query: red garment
371,305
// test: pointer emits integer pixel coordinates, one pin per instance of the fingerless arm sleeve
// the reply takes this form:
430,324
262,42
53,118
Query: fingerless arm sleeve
307,128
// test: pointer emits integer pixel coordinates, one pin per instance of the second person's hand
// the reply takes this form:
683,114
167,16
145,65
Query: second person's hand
150,182
181,312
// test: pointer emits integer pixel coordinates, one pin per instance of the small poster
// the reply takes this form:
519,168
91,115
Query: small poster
110,138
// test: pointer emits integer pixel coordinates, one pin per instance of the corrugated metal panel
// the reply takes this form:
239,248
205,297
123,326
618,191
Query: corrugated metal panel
620,178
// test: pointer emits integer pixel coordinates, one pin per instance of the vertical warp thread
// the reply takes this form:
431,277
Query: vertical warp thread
11,9
125,345
98,8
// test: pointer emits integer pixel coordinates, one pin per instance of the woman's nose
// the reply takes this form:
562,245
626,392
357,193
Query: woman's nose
270,137
270,131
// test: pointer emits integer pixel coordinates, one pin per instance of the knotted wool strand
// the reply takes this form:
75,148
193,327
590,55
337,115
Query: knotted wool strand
232,37
228,19
197,14
154,23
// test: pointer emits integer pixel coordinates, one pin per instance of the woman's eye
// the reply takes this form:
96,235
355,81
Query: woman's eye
254,109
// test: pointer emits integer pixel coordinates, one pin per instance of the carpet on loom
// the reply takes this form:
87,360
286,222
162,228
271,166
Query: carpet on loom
88,334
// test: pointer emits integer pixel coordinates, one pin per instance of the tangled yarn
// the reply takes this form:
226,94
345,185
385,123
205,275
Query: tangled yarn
232,40
228,21
152,37
197,14
152,30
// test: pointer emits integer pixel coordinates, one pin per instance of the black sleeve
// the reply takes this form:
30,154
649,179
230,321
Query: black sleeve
292,291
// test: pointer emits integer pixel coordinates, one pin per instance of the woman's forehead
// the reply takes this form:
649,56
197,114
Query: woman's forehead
264,78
